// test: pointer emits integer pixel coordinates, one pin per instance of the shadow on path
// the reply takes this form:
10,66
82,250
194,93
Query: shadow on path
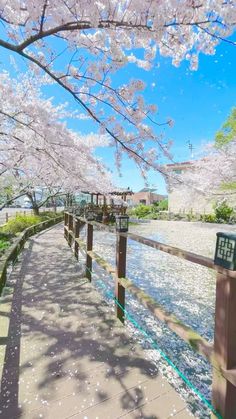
66,354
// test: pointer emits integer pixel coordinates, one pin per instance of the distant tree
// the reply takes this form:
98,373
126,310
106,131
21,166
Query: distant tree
227,132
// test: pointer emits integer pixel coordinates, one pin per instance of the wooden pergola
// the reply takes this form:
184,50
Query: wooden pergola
121,193
107,209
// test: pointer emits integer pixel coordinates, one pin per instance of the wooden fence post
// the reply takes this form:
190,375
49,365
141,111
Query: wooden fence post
65,225
89,247
70,221
65,218
76,233
121,248
224,381
7,217
70,228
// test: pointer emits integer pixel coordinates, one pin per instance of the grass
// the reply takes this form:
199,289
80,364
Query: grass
16,225
20,222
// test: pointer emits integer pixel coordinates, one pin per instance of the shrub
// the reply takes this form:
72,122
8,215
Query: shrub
44,215
5,242
208,218
142,211
223,212
20,223
161,205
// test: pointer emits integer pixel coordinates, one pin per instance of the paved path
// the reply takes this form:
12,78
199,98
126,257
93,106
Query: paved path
64,353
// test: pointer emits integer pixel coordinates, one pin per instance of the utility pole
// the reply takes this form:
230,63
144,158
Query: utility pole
191,148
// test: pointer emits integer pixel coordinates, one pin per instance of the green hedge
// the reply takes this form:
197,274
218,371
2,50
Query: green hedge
20,222
151,212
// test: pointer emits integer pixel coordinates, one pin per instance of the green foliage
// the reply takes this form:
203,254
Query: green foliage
223,212
142,211
44,215
4,242
4,245
228,131
151,212
6,193
228,186
20,223
190,216
208,218
162,205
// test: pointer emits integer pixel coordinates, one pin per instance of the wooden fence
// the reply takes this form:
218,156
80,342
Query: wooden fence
222,354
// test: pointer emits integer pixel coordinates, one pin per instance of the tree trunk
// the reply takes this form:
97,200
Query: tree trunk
36,210
35,207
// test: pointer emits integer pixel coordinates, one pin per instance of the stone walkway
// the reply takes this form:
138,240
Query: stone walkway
62,352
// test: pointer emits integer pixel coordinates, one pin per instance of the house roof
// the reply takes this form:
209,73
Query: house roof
178,165
147,190
122,192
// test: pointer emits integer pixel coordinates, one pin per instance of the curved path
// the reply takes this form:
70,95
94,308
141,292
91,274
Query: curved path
62,352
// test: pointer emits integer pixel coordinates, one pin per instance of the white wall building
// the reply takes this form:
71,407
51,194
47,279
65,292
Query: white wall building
178,201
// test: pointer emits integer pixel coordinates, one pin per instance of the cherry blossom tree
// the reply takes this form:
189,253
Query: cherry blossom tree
212,177
40,180
72,172
97,38
38,150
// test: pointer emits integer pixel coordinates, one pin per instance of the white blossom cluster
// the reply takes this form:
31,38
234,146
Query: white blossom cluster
97,38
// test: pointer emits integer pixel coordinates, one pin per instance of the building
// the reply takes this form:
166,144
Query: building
146,196
178,200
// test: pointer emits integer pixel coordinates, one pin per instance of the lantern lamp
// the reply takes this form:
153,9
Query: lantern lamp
122,223
90,216
78,212
225,254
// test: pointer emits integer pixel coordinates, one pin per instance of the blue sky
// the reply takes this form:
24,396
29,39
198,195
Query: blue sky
198,101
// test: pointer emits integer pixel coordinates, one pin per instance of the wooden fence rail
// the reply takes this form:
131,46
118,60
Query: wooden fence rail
222,354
